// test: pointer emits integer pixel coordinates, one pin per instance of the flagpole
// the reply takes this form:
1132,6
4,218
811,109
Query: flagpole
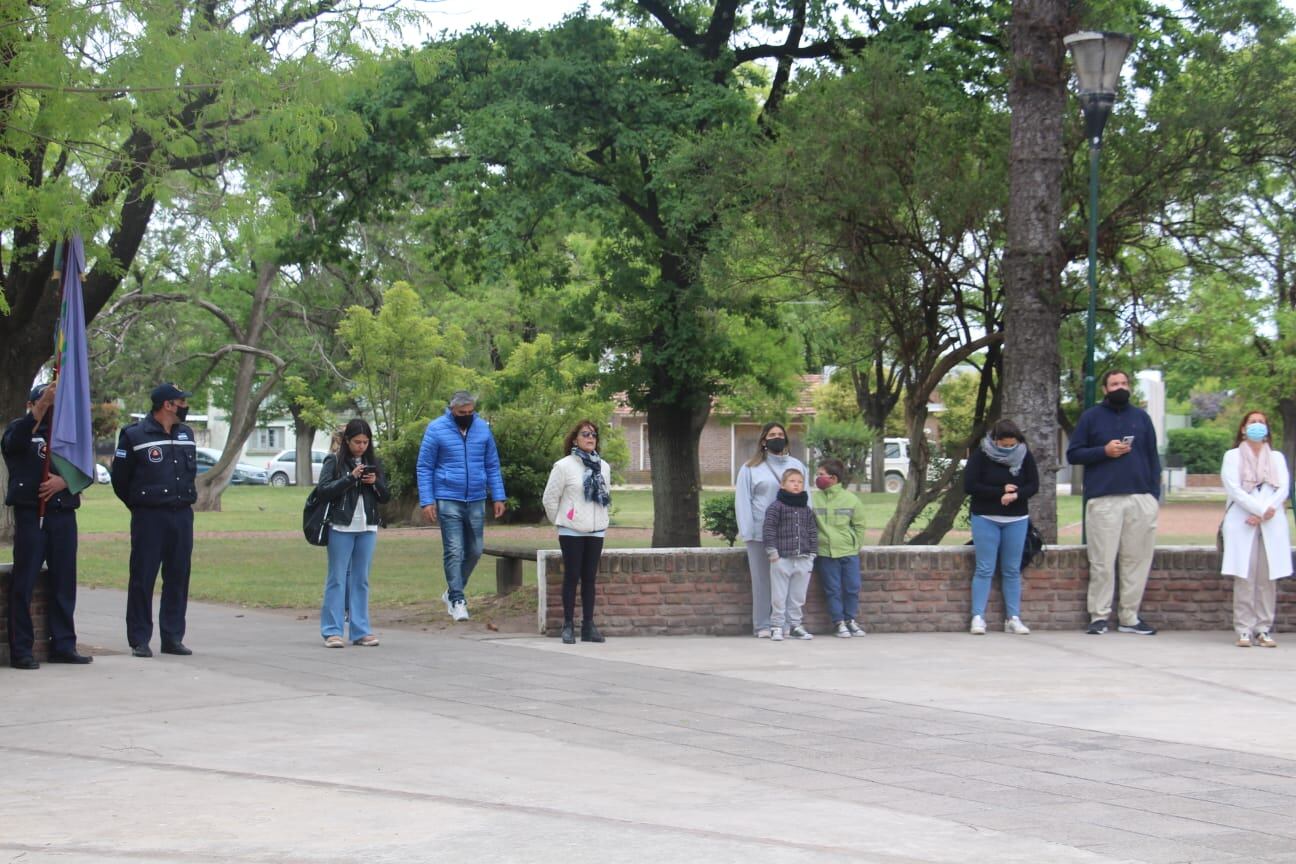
55,276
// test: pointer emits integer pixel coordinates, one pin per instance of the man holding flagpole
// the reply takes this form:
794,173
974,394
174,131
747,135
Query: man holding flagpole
50,456
51,540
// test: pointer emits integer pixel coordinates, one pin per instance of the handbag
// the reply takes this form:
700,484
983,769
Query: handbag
1033,546
315,523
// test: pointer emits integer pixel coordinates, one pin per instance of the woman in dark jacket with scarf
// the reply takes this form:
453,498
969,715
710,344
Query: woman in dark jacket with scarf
352,483
1000,477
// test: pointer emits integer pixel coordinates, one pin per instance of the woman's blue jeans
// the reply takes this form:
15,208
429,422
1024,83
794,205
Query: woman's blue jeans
1002,543
346,590
841,584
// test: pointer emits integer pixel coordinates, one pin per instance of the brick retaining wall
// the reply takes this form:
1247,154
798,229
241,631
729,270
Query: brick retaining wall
906,589
40,620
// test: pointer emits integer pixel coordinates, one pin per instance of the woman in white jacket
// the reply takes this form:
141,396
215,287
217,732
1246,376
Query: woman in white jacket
1257,545
576,500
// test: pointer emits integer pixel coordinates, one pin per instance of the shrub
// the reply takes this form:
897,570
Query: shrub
720,518
1202,449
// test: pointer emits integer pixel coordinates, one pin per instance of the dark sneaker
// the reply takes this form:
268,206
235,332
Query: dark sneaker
142,651
1097,627
1138,628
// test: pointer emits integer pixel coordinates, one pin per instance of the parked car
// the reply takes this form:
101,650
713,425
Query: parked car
895,468
283,468
101,474
243,472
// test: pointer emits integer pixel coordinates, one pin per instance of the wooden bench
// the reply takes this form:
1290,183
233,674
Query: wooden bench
508,569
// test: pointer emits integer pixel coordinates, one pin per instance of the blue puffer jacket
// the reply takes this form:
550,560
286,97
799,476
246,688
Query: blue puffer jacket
455,467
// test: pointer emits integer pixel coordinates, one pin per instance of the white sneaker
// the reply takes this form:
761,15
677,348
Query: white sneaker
843,631
854,627
978,626
445,598
799,632
763,633
1014,625
776,634
459,611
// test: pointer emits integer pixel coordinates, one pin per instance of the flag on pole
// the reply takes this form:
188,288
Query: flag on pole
71,439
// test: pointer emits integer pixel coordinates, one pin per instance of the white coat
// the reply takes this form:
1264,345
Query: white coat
1239,537
564,497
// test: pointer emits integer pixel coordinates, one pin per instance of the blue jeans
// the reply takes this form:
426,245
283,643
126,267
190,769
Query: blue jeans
841,585
346,590
1000,542
462,526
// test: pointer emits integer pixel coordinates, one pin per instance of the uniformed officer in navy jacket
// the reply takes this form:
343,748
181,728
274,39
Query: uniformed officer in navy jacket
153,473
54,542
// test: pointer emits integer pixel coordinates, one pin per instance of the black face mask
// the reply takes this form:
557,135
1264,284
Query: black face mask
775,445
1119,398
182,412
463,421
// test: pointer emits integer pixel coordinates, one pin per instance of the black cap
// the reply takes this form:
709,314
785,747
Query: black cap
37,392
166,392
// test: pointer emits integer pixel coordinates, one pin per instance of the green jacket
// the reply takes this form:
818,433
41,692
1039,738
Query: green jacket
840,517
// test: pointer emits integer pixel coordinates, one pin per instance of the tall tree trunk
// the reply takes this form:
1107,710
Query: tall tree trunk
1032,262
247,396
673,435
305,438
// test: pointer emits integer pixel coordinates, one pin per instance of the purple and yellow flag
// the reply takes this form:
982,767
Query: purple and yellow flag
71,439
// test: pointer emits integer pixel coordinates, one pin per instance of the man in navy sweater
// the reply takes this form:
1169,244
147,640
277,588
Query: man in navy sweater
1116,443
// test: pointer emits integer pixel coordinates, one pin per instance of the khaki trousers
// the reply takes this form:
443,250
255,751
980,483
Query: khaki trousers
1121,531
1254,598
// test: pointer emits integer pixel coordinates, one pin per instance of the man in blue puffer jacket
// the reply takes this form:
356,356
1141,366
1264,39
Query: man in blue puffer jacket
458,465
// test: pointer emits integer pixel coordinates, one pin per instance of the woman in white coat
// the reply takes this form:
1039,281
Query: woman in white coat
759,480
1257,545
576,500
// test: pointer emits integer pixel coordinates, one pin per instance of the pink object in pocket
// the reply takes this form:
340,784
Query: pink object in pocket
571,514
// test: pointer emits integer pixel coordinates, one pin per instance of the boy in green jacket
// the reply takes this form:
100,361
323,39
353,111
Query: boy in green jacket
840,518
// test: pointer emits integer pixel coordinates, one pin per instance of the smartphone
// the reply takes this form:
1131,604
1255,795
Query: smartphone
369,469
1128,440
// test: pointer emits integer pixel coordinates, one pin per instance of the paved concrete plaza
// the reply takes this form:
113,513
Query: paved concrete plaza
266,747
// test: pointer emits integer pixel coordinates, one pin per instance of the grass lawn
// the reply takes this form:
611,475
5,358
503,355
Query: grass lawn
252,552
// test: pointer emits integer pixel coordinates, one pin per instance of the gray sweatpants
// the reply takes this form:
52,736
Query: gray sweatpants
789,581
758,564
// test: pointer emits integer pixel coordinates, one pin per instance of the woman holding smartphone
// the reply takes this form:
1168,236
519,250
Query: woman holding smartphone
352,482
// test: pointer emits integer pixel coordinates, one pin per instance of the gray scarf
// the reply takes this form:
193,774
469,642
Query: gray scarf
1011,456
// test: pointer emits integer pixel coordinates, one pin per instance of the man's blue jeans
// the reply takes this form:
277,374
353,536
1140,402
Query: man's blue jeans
462,525
998,542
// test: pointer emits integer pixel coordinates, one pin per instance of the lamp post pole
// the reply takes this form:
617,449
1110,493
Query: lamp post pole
1091,327
1098,58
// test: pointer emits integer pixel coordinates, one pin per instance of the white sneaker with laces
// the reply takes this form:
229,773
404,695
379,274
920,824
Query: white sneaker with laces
855,628
843,632
1015,626
776,634
978,626
445,598
459,611
799,632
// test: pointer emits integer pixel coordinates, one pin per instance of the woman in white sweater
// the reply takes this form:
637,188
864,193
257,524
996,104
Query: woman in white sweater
576,500
1257,545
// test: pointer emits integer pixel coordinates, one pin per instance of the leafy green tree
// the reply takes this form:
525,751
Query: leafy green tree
534,402
403,362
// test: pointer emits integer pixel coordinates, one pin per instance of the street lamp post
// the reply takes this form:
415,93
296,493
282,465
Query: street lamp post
1098,57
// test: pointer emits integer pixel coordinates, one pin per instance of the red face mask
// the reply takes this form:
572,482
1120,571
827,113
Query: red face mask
822,482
